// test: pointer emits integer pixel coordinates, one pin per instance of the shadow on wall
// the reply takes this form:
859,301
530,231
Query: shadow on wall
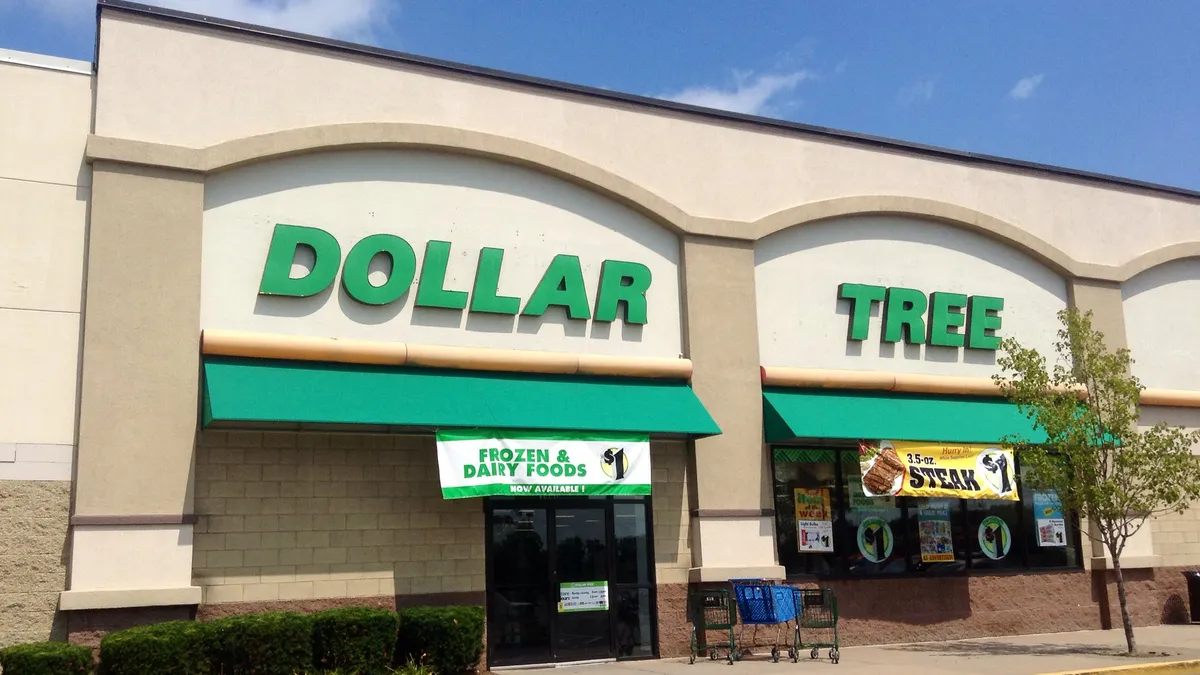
1176,271
433,168
867,229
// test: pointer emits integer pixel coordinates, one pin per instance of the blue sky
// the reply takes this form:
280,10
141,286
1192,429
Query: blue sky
1097,85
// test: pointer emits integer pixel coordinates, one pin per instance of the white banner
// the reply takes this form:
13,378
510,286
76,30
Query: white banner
512,464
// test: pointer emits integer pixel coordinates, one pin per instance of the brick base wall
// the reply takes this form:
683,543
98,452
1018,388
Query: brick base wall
881,611
33,559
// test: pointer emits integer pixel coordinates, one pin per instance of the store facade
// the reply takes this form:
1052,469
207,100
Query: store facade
356,328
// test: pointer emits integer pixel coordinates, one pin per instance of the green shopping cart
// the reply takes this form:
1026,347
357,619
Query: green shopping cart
711,610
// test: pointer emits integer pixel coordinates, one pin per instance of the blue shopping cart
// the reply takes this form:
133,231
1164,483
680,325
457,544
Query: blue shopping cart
761,602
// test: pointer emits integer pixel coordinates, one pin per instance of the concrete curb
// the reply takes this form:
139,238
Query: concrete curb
1161,668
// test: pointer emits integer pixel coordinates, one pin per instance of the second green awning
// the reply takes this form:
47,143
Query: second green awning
260,390
821,413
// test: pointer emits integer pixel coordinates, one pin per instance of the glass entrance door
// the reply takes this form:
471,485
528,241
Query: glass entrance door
581,566
569,580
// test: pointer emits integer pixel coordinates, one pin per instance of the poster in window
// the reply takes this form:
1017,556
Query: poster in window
875,539
936,535
1051,526
995,539
814,521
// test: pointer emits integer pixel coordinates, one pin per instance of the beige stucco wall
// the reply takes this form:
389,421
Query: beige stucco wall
45,117
186,86
1162,317
422,196
803,323
299,516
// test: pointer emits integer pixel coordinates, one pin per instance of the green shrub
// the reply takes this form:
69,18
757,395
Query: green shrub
448,638
46,658
274,643
170,648
356,639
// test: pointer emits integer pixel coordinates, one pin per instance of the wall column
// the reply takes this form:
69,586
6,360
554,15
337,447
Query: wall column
132,531
733,522
1104,300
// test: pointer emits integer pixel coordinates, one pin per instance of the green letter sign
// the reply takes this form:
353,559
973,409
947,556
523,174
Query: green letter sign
277,273
916,318
622,283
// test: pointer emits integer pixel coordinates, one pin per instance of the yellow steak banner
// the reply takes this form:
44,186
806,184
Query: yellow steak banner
963,471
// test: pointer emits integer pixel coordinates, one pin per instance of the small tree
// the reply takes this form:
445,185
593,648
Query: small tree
1096,456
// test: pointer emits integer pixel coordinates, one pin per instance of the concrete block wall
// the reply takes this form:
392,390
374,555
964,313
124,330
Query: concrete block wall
672,538
298,516
1177,538
33,559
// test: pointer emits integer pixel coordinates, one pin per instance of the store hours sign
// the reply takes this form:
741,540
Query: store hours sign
491,464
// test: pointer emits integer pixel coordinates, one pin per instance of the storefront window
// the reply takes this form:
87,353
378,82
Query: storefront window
827,526
1051,537
806,485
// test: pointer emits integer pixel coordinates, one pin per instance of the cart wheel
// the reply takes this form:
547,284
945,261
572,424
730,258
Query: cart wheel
792,654
775,654
712,654
834,655
814,653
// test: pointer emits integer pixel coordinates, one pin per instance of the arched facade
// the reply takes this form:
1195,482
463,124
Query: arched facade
297,304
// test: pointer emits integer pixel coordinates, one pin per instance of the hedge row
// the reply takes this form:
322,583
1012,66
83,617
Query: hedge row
358,641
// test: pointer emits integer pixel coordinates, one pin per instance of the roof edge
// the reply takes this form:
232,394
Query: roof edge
648,102
46,62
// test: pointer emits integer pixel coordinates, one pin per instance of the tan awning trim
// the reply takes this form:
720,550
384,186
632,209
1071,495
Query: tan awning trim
819,378
309,348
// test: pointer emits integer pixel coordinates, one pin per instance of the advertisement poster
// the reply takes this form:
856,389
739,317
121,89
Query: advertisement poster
490,464
995,539
583,596
814,521
933,524
1051,526
875,539
959,471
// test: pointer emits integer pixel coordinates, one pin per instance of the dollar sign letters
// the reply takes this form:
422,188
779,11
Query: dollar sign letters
615,463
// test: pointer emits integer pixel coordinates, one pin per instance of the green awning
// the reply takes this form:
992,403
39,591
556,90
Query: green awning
241,390
820,413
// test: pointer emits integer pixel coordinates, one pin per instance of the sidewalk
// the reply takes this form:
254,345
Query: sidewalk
1017,655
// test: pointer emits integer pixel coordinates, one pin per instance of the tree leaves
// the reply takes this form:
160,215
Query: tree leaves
1104,465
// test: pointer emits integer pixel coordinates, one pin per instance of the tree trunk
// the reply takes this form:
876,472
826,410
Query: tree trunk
1125,620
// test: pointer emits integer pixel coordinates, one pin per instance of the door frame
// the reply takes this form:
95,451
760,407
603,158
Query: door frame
551,504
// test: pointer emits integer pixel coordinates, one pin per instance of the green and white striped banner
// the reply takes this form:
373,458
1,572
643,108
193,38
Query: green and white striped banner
542,464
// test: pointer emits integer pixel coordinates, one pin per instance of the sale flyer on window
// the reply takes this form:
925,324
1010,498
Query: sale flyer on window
933,523
1051,526
814,520
583,596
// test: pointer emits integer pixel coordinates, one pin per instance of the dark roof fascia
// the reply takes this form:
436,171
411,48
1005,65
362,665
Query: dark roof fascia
528,81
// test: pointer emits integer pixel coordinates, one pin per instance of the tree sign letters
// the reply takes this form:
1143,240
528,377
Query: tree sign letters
939,319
